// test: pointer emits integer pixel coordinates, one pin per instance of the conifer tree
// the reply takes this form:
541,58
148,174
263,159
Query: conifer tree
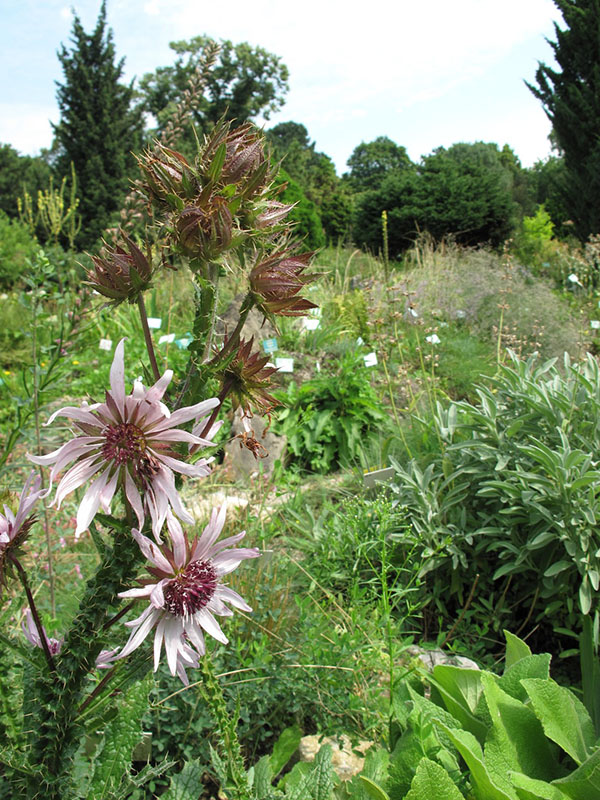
571,99
98,128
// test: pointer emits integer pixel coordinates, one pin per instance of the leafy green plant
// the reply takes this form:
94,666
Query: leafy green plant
511,498
327,418
520,736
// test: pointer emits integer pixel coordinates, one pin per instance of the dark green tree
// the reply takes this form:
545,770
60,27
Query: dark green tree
308,226
245,82
19,174
315,172
464,191
371,162
98,127
570,96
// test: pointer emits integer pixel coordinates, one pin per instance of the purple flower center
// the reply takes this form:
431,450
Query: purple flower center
191,590
126,444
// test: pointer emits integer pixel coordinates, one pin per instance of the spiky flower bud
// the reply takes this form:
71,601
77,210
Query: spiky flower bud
205,228
169,178
246,380
276,281
120,274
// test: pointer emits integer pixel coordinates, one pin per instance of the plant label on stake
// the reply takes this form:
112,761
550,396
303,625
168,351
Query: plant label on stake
595,324
270,345
154,322
433,339
184,342
167,338
105,344
370,360
284,364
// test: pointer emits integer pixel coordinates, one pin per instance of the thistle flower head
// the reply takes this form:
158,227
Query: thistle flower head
126,442
186,591
120,274
276,281
167,175
246,379
14,528
205,227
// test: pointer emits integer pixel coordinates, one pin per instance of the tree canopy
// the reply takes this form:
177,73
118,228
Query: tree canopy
245,82
371,162
570,96
98,128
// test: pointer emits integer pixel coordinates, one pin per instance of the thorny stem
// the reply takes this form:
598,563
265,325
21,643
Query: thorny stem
148,337
234,339
110,622
34,612
94,694
36,412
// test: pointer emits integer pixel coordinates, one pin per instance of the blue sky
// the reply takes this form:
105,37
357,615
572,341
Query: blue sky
425,74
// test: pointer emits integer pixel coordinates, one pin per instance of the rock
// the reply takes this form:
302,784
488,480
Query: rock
201,505
242,461
255,324
431,658
346,762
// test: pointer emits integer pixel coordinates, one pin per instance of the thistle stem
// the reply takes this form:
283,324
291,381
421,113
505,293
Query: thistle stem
148,337
34,613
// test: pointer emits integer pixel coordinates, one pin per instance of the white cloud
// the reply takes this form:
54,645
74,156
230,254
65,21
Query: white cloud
26,127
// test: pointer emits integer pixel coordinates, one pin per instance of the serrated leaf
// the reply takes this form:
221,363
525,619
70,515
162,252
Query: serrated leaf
263,776
431,780
564,718
121,735
537,666
187,784
532,789
460,690
584,782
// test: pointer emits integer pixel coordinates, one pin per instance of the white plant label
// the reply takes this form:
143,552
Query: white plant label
595,324
370,360
105,344
284,364
154,322
310,324
574,279
360,341
433,339
167,338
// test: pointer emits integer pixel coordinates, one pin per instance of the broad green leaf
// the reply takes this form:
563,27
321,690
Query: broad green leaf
532,789
432,781
516,740
537,666
460,690
372,789
564,718
484,786
558,566
322,774
284,748
263,777
187,784
516,649
121,735
584,783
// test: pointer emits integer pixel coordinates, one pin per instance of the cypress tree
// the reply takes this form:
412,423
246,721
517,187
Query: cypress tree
571,99
98,128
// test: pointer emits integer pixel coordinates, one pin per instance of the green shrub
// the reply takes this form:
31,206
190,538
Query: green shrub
509,504
327,419
16,247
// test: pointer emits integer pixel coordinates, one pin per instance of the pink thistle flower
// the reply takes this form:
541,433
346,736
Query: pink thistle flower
103,661
187,592
126,442
32,635
14,528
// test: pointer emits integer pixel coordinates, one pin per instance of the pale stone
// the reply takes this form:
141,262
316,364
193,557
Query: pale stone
347,760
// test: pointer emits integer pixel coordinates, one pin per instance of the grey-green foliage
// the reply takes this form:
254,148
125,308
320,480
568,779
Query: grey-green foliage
512,494
519,736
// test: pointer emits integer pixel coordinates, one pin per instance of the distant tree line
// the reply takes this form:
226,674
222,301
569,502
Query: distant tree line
473,192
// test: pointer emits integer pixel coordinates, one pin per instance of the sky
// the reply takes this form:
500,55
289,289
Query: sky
425,74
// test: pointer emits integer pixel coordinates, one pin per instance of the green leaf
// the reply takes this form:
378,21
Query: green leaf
516,740
584,783
557,567
284,748
532,789
121,735
460,690
516,649
187,784
372,789
470,749
564,718
432,781
537,666
263,776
